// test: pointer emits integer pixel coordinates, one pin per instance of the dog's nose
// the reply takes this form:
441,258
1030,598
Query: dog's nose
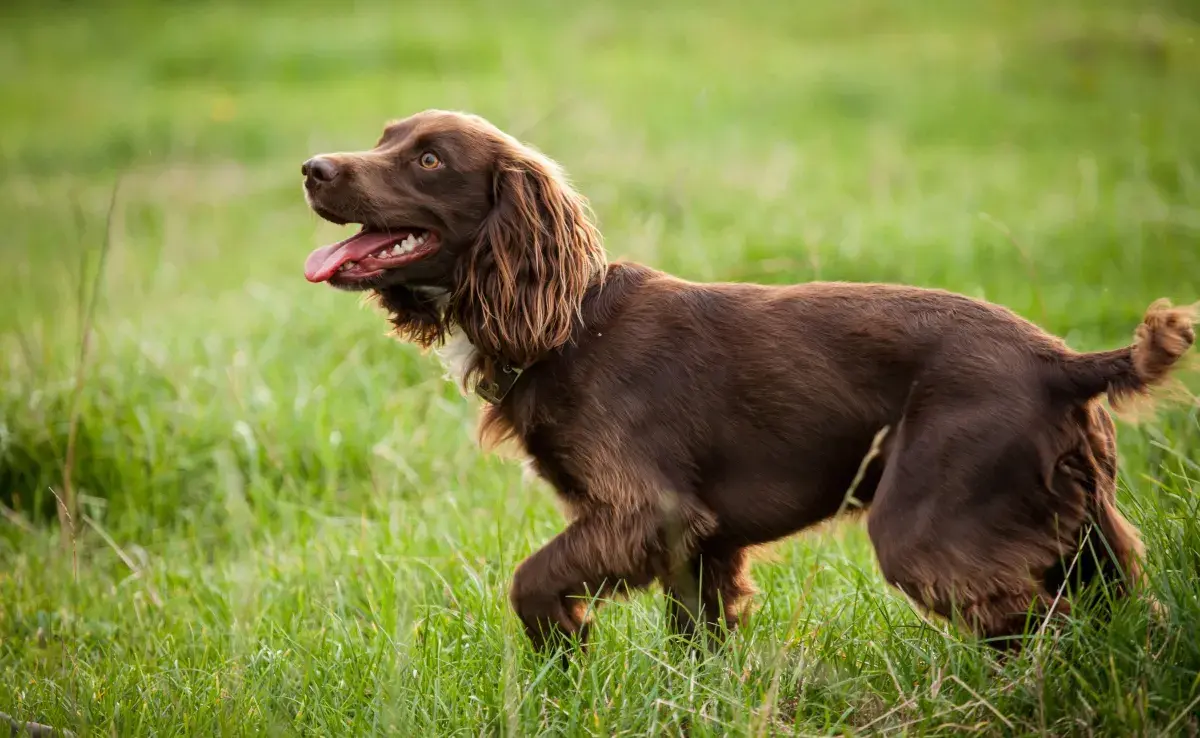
319,169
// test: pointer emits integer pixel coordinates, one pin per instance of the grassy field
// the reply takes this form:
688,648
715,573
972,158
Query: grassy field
284,524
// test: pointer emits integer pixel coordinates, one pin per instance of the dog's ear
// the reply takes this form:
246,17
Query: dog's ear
520,288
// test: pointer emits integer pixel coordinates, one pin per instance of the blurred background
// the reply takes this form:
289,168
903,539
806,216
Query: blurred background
1044,156
220,426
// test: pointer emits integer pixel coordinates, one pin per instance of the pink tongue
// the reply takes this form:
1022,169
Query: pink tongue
325,261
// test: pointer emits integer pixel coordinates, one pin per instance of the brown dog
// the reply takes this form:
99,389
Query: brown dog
682,423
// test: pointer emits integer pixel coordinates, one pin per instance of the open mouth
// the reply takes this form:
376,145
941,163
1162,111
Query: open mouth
368,254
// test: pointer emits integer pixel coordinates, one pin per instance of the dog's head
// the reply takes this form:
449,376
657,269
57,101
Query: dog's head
460,224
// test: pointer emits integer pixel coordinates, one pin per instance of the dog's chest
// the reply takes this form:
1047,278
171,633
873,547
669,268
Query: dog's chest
457,355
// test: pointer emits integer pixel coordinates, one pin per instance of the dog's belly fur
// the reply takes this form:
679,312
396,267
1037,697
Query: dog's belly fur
758,500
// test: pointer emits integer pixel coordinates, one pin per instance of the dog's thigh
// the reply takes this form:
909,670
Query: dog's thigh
971,512
1109,547
1122,543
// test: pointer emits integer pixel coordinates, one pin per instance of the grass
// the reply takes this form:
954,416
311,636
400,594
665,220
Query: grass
284,526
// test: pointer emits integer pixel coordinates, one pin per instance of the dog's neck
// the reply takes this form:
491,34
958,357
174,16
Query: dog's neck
457,355
464,363
456,352
440,295
492,377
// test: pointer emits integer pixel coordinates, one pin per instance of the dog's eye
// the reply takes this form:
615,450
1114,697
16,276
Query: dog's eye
430,160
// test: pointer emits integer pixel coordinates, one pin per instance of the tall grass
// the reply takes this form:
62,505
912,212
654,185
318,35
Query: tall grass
280,521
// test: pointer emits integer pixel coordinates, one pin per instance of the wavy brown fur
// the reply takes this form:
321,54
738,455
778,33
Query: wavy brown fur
519,288
684,424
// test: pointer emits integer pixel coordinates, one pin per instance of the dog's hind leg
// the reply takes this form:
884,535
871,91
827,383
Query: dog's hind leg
971,512
1109,549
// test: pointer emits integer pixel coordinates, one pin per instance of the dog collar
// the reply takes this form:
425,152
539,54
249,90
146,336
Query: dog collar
495,390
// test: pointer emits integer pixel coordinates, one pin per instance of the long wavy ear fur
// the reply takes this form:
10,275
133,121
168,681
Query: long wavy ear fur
520,288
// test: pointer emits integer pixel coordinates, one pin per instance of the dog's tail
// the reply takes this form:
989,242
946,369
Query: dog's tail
1164,336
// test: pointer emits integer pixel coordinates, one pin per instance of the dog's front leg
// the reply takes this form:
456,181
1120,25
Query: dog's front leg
599,554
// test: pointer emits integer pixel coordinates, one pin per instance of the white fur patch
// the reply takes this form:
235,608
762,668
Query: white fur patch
457,355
